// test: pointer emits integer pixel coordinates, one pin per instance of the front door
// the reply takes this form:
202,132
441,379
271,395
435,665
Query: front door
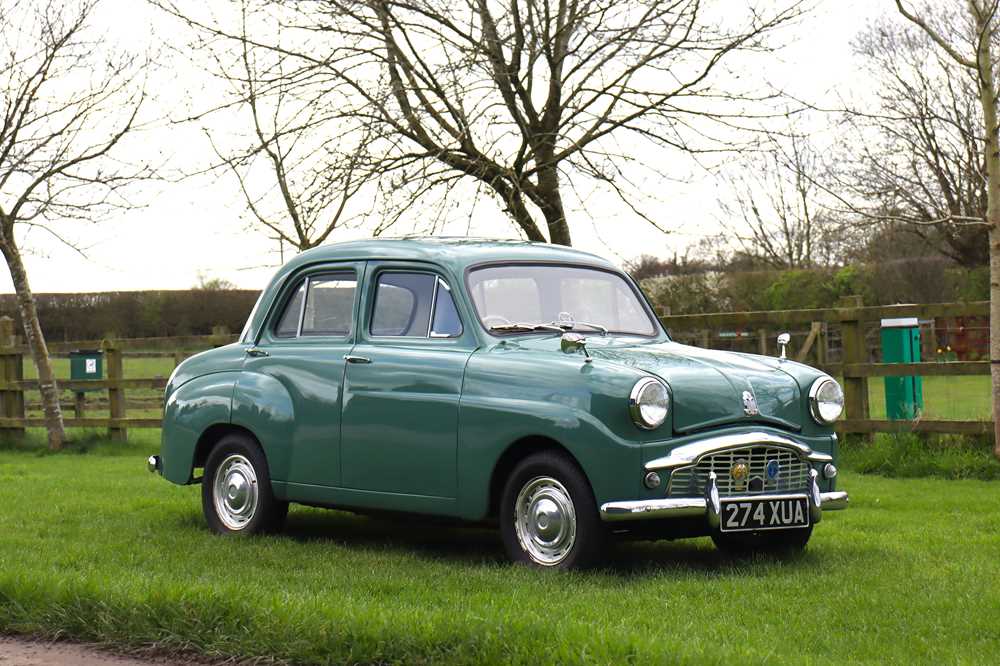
302,347
403,384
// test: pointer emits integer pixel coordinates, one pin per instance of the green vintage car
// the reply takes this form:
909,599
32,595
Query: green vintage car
504,382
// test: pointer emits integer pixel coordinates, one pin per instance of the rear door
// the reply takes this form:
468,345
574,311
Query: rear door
303,347
403,384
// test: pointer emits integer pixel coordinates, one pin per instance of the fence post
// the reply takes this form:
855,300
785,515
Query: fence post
116,394
12,367
853,335
220,335
762,341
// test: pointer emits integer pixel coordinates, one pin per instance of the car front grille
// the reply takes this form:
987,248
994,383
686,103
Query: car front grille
793,472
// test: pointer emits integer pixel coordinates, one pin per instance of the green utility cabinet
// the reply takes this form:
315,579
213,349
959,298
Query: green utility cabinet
86,364
904,396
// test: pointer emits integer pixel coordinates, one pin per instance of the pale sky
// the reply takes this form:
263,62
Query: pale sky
199,226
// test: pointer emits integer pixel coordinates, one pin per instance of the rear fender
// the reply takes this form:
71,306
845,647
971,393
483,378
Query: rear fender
190,410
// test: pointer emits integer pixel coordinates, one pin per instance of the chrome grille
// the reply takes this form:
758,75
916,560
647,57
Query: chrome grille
793,472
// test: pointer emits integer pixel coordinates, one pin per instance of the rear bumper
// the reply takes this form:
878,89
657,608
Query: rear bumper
709,506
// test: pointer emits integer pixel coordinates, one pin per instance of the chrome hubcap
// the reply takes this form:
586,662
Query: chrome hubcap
545,520
235,493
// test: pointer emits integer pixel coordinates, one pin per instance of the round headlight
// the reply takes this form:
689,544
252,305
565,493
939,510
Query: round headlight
826,400
649,403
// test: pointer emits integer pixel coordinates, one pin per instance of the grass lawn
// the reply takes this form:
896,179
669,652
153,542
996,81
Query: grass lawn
95,548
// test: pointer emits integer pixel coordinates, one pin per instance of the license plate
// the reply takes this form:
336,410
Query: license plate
746,515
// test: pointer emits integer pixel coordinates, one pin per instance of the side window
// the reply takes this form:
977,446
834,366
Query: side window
288,324
321,305
447,323
329,306
402,304
414,305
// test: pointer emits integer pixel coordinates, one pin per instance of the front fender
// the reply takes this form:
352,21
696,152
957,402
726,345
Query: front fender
508,397
190,410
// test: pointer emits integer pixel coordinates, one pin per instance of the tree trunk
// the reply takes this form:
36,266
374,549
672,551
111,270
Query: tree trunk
988,101
995,331
36,342
552,205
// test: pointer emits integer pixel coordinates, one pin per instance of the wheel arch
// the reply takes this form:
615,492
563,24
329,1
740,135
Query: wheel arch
213,434
515,453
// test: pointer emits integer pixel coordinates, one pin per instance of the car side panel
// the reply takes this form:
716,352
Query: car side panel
190,410
263,405
511,396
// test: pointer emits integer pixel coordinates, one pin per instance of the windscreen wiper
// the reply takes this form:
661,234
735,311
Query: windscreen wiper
527,327
569,326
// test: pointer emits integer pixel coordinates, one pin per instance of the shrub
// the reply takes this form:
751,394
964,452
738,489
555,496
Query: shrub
910,455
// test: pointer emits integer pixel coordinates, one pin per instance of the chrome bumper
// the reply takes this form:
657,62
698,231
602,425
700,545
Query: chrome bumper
710,505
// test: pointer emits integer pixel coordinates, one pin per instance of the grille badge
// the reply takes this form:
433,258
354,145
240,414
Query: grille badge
773,469
750,404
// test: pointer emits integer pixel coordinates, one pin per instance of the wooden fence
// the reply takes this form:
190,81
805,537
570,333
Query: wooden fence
13,386
855,364
811,343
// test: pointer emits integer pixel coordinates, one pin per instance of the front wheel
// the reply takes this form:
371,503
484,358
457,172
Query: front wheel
236,493
786,542
548,516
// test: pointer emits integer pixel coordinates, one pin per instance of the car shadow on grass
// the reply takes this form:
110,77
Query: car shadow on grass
475,545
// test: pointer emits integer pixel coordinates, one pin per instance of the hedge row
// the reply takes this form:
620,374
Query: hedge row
136,314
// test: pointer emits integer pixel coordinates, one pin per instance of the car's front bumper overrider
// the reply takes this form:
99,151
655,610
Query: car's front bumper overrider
710,505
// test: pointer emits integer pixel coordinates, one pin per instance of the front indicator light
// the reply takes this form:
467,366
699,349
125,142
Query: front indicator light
829,471
652,480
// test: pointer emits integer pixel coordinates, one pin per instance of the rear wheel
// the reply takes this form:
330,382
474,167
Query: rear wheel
777,541
236,494
548,516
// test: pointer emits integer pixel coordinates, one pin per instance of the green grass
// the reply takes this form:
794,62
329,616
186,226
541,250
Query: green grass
96,549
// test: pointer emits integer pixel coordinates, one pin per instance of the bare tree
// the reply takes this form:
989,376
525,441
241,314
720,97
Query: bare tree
914,157
65,109
530,100
971,41
297,160
774,211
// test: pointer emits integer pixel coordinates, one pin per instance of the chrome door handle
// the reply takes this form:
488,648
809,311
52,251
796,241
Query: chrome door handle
257,352
356,359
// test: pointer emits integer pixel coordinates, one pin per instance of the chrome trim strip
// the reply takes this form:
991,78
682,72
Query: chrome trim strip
834,501
688,454
686,507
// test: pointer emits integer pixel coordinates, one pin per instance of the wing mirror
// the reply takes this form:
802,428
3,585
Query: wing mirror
570,343
783,341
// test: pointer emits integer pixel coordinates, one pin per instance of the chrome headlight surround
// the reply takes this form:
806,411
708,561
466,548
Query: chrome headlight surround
826,400
649,403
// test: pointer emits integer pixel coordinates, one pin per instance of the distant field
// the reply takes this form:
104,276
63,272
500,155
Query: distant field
950,398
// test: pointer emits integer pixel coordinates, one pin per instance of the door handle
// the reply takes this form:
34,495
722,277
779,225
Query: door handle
356,359
257,352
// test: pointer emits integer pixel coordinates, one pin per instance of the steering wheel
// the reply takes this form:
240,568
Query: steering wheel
496,320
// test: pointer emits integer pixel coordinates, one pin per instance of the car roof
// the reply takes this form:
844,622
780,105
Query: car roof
457,253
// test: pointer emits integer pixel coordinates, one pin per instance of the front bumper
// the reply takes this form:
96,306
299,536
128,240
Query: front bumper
710,505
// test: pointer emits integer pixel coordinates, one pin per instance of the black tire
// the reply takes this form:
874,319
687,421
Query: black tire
267,514
776,542
586,546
